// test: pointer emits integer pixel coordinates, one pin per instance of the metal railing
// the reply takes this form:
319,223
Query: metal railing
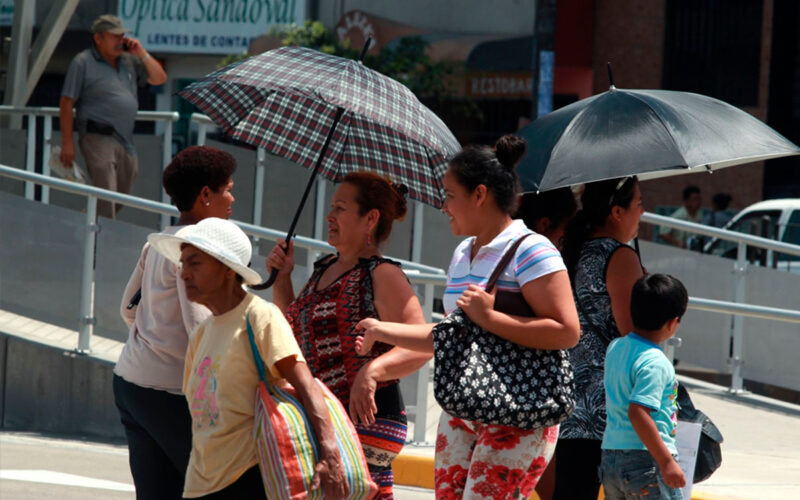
739,309
49,113
426,277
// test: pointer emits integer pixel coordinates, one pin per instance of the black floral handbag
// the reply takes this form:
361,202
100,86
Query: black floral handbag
481,377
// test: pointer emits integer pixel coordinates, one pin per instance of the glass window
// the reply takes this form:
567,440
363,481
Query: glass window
791,235
761,223
713,47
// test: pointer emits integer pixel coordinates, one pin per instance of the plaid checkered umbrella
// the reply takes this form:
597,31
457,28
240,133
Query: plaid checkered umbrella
286,101
329,113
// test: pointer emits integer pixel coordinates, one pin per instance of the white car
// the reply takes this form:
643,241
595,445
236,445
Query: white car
774,219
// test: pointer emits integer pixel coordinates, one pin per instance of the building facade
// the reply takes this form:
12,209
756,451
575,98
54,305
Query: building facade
745,52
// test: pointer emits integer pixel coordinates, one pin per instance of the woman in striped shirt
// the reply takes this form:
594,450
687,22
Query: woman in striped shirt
475,460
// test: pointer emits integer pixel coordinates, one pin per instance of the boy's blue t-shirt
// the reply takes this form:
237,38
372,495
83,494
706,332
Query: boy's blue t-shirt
637,371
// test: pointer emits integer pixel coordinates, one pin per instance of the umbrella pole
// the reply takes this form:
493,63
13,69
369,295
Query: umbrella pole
636,249
317,167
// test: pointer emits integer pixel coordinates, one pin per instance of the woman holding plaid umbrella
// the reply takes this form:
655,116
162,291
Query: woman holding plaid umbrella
357,283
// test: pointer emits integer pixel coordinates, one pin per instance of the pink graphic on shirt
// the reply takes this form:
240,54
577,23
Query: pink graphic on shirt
204,398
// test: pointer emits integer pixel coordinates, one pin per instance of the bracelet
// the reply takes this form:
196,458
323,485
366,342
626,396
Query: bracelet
146,57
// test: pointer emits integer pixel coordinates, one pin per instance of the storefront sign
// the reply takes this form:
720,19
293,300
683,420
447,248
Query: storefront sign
546,68
500,85
6,12
205,26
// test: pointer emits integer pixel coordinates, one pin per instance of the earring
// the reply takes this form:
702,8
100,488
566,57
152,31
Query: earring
369,240
208,203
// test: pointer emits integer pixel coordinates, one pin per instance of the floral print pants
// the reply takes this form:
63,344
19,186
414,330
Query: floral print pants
481,461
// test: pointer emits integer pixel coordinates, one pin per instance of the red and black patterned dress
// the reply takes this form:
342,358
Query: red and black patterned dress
324,324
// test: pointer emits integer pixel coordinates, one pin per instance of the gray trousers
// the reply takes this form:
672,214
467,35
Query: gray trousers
110,166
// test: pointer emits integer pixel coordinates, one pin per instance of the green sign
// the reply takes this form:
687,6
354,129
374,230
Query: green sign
205,26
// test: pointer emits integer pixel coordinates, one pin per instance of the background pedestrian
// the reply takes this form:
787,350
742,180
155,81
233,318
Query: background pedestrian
719,215
102,83
548,212
690,212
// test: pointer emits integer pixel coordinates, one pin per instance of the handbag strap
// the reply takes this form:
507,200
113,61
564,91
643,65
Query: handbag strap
503,263
256,355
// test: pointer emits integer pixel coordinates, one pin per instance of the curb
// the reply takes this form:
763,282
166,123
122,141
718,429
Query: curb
417,471
414,470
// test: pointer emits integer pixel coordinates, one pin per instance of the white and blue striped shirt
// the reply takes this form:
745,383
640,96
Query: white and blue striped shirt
535,257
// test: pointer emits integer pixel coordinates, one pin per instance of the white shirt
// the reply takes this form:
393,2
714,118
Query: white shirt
159,327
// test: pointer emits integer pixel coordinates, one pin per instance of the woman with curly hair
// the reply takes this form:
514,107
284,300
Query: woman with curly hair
149,373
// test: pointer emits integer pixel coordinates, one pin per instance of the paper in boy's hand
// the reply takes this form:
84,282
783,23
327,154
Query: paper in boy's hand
72,173
687,442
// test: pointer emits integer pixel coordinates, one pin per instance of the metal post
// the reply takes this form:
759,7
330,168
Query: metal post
319,219
30,155
416,232
258,193
17,77
50,33
48,134
669,347
423,378
740,295
166,157
202,129
87,280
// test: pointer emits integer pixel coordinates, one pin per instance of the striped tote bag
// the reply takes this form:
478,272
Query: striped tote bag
287,448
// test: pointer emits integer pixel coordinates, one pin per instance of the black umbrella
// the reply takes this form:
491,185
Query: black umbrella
649,133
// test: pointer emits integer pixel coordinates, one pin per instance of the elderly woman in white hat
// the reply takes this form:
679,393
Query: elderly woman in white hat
220,376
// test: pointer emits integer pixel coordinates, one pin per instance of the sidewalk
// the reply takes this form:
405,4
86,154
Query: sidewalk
760,454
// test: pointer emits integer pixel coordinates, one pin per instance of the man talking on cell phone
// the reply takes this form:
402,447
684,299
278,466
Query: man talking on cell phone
101,84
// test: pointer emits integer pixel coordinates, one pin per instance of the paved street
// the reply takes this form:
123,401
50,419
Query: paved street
34,467
761,451
761,457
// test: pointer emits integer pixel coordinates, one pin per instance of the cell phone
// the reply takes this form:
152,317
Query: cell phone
126,44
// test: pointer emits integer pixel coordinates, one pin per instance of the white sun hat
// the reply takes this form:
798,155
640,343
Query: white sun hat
219,238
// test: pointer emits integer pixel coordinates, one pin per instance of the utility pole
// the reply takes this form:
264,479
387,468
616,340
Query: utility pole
28,58
543,58
21,34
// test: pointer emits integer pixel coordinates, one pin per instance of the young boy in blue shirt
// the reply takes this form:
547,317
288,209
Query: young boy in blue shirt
638,450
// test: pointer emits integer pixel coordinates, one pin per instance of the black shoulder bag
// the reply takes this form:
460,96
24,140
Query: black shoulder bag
709,451
481,377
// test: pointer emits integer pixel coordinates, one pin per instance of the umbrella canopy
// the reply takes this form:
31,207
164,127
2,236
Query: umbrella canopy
649,133
287,101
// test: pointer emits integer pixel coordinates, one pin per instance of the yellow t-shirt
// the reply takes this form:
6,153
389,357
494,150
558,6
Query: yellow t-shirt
220,381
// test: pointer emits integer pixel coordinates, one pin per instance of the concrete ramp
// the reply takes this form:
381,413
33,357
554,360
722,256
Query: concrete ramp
47,387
